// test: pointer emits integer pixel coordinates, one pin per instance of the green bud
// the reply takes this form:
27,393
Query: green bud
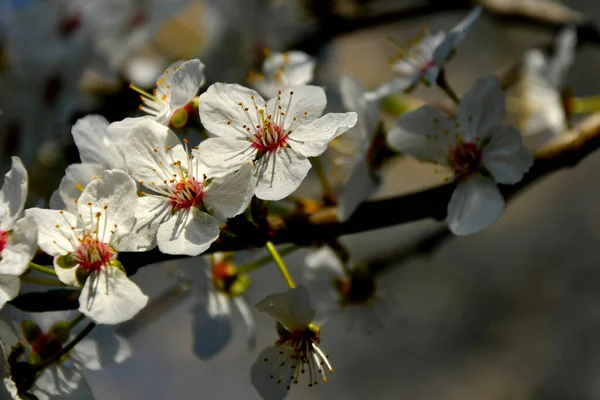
34,358
31,331
81,275
117,264
179,118
61,331
66,262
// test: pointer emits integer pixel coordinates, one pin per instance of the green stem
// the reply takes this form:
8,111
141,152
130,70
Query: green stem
325,185
280,264
250,267
41,281
75,321
582,105
443,84
42,269
68,347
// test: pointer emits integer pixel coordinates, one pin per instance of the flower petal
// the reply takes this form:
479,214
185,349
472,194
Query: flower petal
306,104
13,194
151,150
220,112
268,386
55,236
475,204
108,204
359,186
102,347
323,267
424,133
223,156
110,297
563,57
248,317
505,156
8,388
90,134
279,173
396,85
312,139
9,289
292,308
231,195
66,275
189,232
481,109
186,82
211,325
151,212
20,247
60,383
456,36
77,177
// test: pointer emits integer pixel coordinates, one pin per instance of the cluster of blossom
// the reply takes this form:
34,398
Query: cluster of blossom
139,187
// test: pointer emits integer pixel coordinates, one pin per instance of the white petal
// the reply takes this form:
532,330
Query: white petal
263,379
90,134
220,112
323,267
77,177
66,275
352,91
20,247
61,383
223,156
312,139
101,348
143,163
505,156
9,289
360,185
109,297
424,134
55,241
186,82
118,130
306,104
230,195
291,308
189,232
279,173
108,205
481,109
248,317
456,35
13,194
475,204
151,212
211,325
396,85
294,68
8,388
563,57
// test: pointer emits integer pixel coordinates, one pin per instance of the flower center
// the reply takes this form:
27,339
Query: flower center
45,346
269,137
465,159
92,254
186,193
3,241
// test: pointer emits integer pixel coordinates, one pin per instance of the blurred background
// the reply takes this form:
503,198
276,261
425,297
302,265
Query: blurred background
509,313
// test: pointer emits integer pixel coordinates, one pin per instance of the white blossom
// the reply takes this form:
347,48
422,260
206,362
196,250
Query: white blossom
186,205
219,288
85,247
297,350
281,71
18,236
99,149
541,110
41,336
355,150
478,149
423,58
278,135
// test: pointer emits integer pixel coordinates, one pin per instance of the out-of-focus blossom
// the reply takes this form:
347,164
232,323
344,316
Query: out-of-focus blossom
282,71
541,109
218,287
423,58
186,205
355,151
18,236
35,338
85,247
478,149
278,136
296,353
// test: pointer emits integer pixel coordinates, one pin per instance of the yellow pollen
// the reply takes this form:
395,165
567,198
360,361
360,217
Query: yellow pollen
79,187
